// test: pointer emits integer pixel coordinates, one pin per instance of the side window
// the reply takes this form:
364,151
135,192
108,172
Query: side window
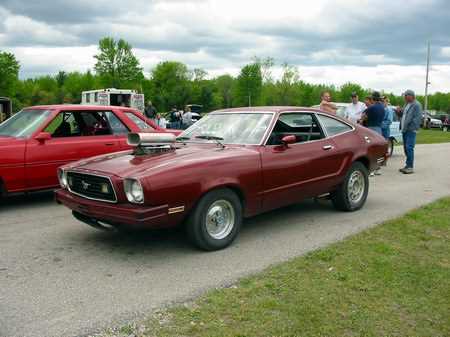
141,124
301,125
117,127
95,123
333,126
63,125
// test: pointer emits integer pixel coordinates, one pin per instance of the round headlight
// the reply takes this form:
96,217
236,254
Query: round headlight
134,191
62,177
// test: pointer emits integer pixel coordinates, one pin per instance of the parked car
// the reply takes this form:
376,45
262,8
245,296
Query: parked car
37,140
430,122
231,164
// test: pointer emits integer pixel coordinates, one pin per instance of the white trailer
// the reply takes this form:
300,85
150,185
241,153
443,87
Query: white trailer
112,96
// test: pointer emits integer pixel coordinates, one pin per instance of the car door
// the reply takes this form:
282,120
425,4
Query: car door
305,168
74,135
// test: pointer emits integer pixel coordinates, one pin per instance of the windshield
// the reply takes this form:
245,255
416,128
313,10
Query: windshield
24,123
230,128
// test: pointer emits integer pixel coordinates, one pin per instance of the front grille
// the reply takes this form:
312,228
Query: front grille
91,186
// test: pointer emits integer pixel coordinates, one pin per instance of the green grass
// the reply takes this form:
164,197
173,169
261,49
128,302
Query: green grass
432,136
392,280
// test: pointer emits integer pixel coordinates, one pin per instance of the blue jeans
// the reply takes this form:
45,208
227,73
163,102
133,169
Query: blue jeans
409,141
386,132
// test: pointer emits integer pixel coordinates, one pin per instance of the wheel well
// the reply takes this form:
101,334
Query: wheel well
238,192
364,161
233,188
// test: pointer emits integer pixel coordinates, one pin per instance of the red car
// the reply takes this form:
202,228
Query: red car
231,164
37,140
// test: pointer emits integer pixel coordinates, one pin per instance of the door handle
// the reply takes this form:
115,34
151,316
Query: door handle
109,144
328,147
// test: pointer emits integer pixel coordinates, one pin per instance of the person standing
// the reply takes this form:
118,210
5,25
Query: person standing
174,118
150,111
354,111
326,105
187,117
409,124
375,113
387,120
160,121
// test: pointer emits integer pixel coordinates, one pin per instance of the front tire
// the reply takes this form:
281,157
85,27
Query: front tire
351,195
216,220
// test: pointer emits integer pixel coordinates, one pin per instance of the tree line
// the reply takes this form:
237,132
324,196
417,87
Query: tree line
172,84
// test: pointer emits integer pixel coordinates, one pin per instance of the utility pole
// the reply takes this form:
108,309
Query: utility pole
425,106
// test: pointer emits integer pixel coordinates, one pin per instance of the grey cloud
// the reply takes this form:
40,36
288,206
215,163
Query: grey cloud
399,37
396,36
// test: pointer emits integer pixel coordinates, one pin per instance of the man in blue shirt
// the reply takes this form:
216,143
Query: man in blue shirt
375,113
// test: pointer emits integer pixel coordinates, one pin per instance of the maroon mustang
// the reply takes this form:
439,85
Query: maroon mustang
230,165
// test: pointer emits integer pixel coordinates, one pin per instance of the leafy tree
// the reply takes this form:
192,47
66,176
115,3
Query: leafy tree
171,85
346,90
286,86
116,64
249,85
266,64
9,72
224,85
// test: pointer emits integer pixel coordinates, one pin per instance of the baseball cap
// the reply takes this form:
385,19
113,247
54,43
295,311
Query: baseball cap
409,92
376,95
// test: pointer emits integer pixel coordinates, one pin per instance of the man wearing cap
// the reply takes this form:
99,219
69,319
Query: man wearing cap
354,110
375,113
409,124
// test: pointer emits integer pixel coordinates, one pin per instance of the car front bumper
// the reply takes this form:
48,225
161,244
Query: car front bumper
102,215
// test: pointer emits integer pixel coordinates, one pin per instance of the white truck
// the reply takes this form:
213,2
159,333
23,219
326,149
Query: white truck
112,96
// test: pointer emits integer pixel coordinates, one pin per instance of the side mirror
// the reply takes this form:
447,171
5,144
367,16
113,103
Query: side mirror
291,139
43,136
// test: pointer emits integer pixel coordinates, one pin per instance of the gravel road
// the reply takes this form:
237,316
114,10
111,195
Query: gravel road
59,277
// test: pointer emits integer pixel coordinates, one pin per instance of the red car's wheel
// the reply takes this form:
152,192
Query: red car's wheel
352,193
216,220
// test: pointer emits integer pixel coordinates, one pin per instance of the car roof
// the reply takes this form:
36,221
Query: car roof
78,107
265,109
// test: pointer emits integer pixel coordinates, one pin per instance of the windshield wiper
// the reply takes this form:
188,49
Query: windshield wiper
183,138
209,137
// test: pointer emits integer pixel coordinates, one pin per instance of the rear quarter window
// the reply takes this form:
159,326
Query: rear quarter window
333,126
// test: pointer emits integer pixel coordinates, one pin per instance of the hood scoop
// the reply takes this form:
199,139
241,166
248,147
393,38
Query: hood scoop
151,143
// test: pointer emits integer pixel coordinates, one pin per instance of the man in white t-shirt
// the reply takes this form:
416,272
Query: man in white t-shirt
355,109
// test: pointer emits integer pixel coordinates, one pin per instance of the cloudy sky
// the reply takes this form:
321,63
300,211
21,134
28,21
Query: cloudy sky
379,44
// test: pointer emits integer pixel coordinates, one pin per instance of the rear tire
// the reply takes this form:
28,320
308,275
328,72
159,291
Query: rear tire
351,195
216,220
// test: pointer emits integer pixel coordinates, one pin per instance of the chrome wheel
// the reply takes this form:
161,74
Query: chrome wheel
220,219
356,187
